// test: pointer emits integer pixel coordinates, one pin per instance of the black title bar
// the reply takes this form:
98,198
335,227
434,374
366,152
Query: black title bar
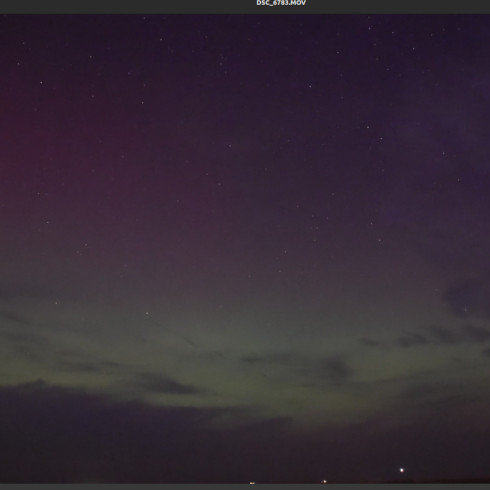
244,7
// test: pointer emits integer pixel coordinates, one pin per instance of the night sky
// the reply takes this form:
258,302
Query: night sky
244,247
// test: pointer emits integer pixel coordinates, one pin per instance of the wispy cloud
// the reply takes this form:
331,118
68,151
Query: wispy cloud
369,342
335,369
463,333
13,317
411,339
159,383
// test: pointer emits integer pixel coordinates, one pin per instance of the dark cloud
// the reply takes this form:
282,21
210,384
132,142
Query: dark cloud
13,317
23,337
279,358
411,340
87,365
335,370
464,333
188,340
285,361
469,298
29,343
252,359
444,335
476,333
486,352
436,334
435,393
111,364
52,434
158,383
369,342
26,344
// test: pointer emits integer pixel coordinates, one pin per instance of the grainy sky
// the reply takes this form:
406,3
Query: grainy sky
244,247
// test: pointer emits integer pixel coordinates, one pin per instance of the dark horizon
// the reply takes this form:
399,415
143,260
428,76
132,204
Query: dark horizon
244,248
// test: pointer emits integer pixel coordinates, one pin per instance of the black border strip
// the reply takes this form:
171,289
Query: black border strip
243,7
185,486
